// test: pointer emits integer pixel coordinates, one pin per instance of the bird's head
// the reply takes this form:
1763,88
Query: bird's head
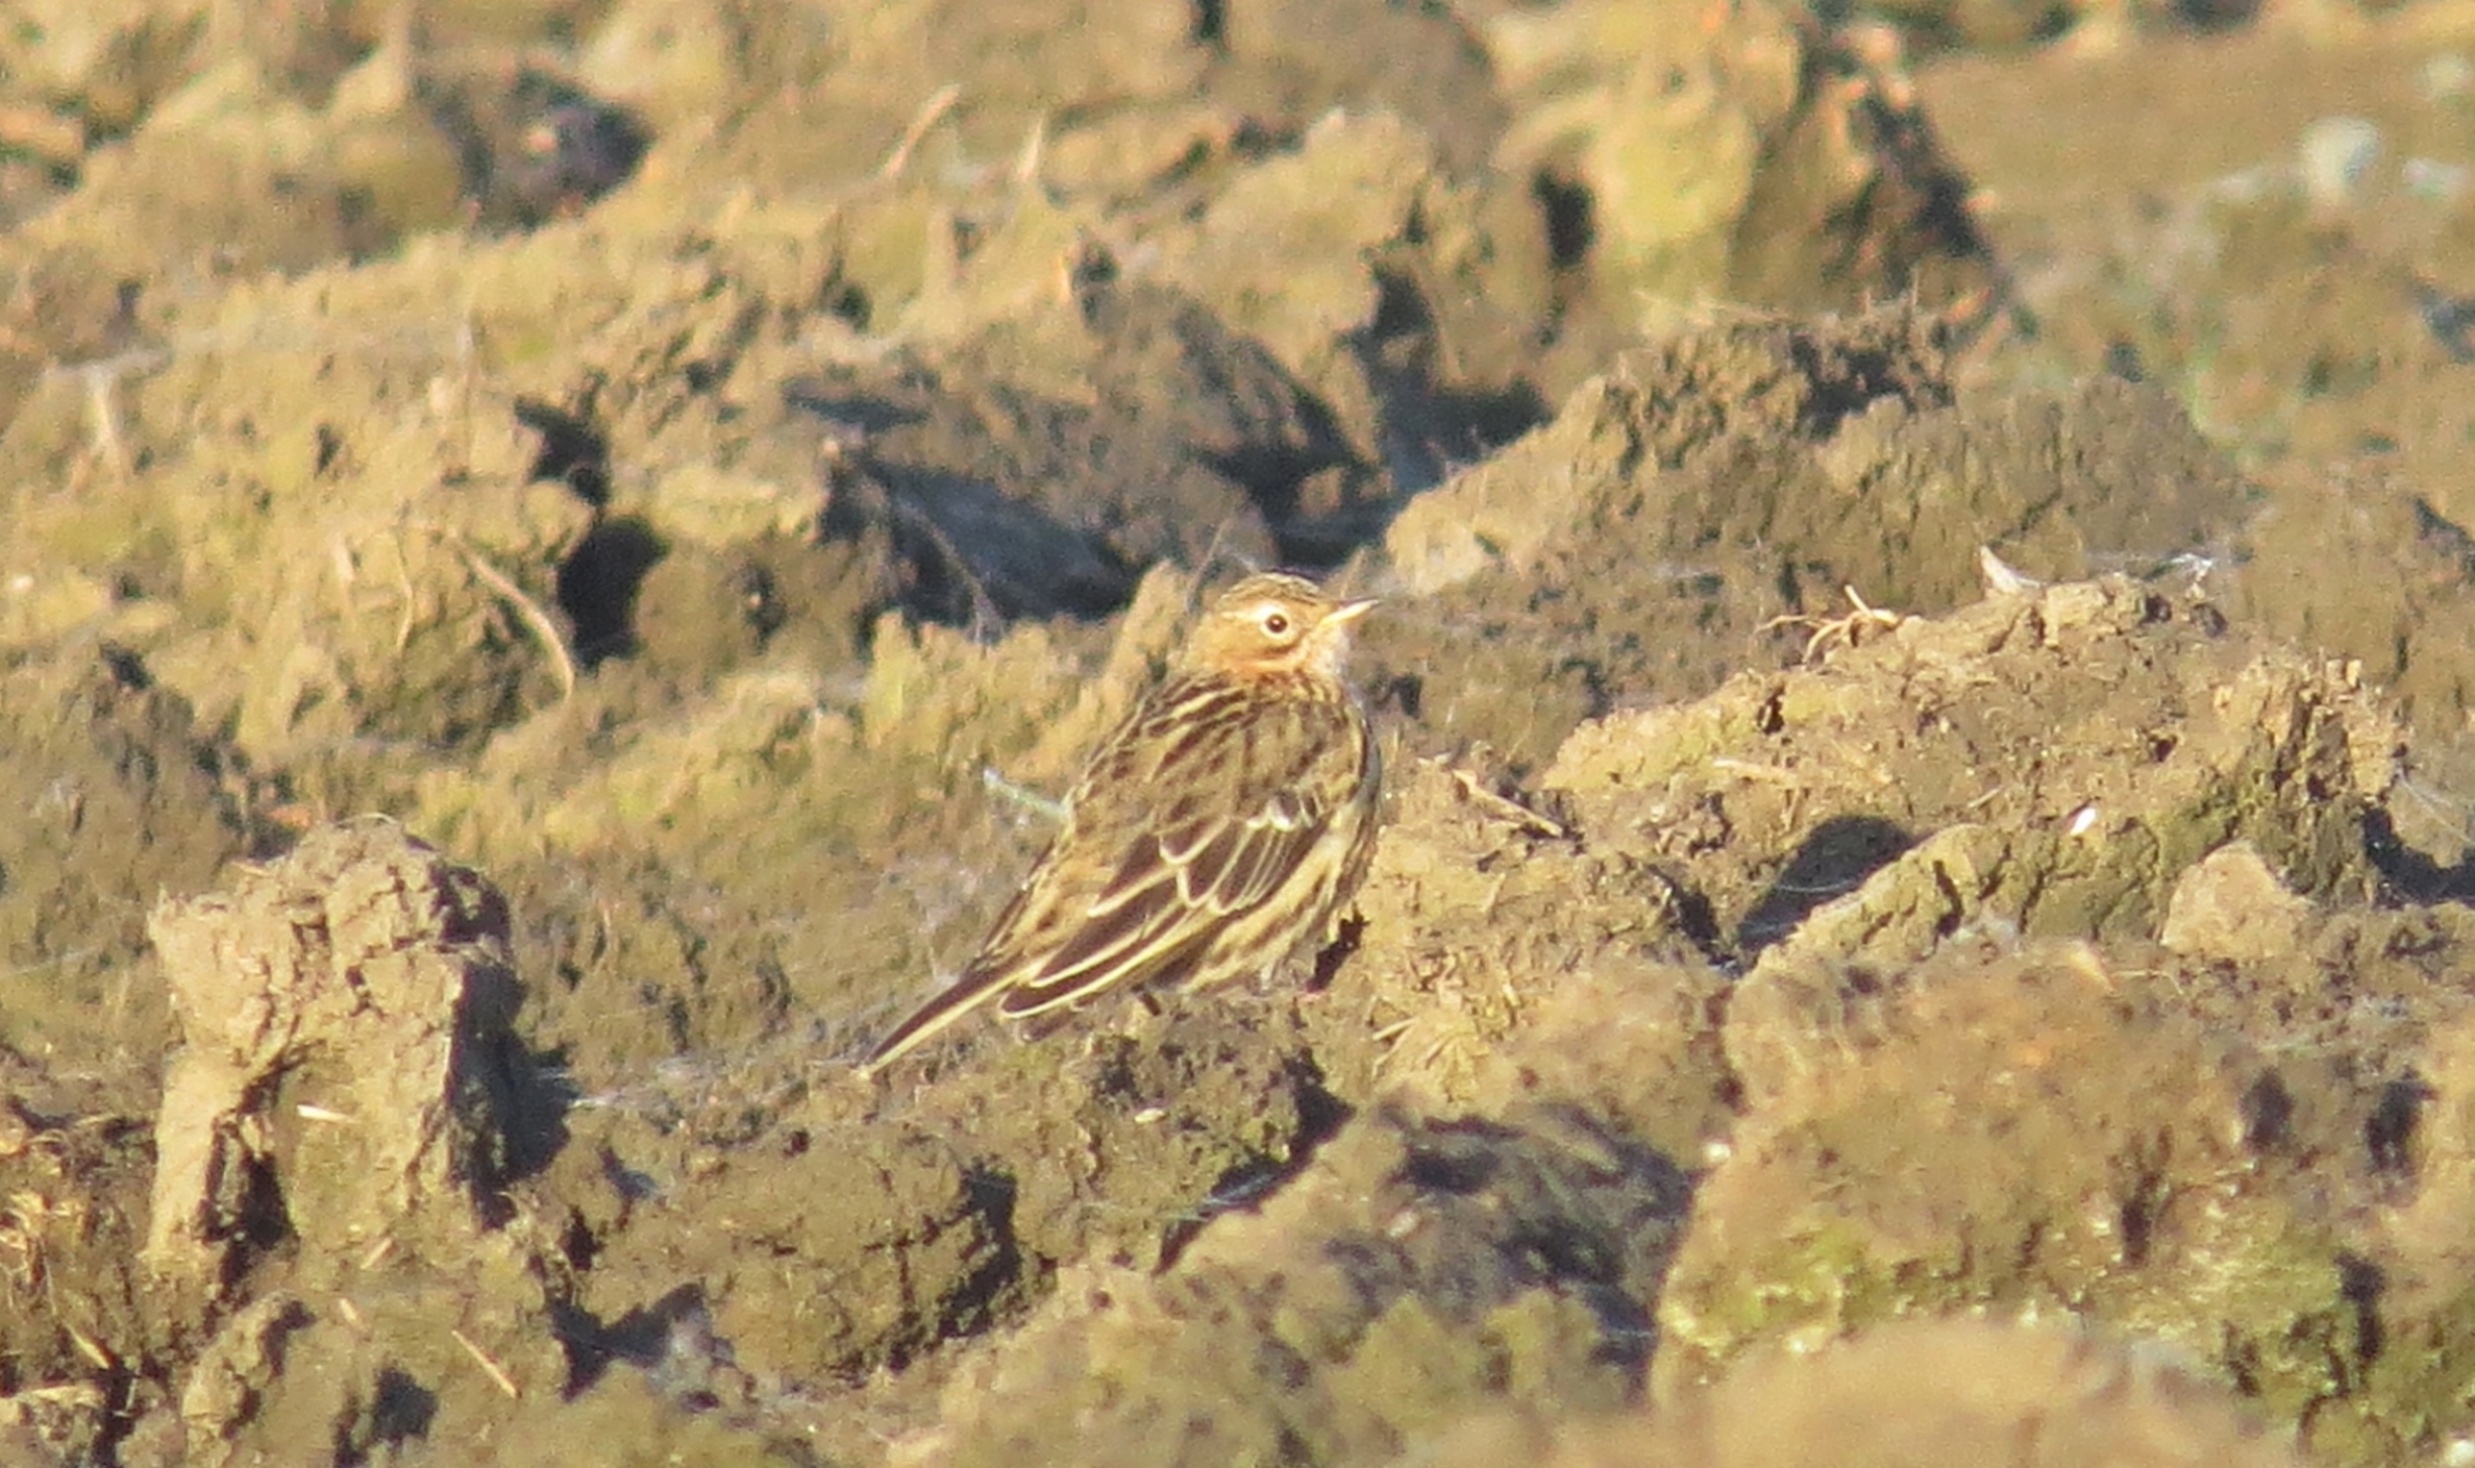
1274,623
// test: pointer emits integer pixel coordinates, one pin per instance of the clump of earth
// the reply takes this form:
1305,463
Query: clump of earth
557,556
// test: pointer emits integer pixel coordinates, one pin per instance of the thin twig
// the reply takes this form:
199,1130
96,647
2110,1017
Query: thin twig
1027,163
543,628
939,102
1053,811
489,1367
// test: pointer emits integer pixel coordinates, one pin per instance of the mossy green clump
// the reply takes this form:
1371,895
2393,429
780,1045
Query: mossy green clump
2013,1138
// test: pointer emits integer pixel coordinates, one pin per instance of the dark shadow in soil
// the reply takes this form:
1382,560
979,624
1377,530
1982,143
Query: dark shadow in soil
1585,1227
645,1337
849,416
401,1411
2389,1132
1321,1115
983,1297
1834,861
537,1095
574,450
969,554
534,147
2412,875
1427,427
598,583
527,1088
1568,215
976,549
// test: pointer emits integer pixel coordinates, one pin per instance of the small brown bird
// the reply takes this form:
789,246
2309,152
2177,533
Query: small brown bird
1215,834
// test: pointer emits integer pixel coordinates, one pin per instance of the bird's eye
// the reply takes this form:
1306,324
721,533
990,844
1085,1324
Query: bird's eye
1276,623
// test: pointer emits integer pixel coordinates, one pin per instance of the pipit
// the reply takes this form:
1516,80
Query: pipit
1215,835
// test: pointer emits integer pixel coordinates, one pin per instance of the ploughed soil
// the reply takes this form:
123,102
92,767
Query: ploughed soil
553,558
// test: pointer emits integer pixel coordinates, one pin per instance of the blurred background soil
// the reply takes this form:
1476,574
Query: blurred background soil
552,555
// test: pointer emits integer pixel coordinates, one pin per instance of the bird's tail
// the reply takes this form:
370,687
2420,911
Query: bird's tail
973,989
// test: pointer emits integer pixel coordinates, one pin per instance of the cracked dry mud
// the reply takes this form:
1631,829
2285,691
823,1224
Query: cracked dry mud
553,560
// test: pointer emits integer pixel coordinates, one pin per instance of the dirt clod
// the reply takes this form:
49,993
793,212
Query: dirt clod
567,553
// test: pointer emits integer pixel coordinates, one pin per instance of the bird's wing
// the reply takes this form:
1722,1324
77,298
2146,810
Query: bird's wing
1223,849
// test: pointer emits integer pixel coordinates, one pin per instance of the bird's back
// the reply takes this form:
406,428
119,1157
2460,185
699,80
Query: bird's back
1209,803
